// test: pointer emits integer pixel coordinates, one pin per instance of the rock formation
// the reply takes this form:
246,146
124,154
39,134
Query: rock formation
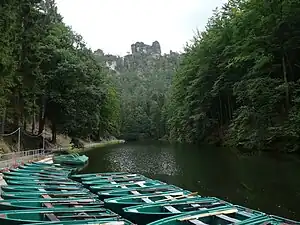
143,59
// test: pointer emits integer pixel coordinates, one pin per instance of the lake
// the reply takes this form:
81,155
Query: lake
261,181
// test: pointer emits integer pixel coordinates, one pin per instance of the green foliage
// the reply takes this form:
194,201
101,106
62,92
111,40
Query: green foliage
49,75
142,98
238,82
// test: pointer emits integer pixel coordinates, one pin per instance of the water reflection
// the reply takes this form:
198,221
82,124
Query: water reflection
261,182
160,161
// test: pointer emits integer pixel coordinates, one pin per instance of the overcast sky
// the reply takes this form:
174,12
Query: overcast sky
113,25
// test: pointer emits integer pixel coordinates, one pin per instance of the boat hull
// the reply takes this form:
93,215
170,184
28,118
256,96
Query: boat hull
118,203
22,188
44,203
54,194
16,217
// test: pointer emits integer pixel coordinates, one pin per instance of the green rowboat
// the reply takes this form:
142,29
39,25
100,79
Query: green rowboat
43,172
71,159
81,176
110,221
114,181
18,174
16,217
118,203
219,215
41,194
270,220
20,188
49,203
124,176
48,169
39,182
22,178
137,191
149,183
147,213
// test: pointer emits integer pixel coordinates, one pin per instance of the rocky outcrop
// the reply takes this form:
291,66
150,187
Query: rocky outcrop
140,47
143,59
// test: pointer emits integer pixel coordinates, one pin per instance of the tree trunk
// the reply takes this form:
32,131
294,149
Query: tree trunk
286,84
221,111
33,117
53,133
229,108
3,122
41,122
42,114
24,125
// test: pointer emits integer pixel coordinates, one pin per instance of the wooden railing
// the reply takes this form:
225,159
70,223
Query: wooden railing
14,159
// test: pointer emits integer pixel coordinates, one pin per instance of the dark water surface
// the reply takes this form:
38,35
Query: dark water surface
265,182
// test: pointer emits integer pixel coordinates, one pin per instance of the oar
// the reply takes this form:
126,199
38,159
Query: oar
228,211
178,197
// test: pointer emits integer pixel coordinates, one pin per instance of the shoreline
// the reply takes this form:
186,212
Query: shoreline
102,144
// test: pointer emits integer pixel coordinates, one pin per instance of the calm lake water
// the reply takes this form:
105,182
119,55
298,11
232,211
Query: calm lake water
269,183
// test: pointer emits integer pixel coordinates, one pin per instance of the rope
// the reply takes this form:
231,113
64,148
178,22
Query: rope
5,135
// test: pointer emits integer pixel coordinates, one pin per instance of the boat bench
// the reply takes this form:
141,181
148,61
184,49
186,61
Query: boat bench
224,217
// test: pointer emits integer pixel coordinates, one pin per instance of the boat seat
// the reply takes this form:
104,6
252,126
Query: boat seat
135,192
147,200
227,218
224,217
172,209
169,197
46,196
48,205
51,217
141,184
197,222
244,213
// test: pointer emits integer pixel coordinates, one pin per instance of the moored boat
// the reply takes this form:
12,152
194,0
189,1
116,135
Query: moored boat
137,191
220,215
29,178
270,220
22,188
108,221
114,181
86,175
40,171
18,174
112,177
147,213
46,168
16,217
109,186
49,203
70,159
40,182
118,203
41,194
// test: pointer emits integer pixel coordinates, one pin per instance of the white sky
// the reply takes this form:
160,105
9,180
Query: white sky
113,25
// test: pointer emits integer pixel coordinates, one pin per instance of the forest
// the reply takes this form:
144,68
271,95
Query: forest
49,76
237,82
